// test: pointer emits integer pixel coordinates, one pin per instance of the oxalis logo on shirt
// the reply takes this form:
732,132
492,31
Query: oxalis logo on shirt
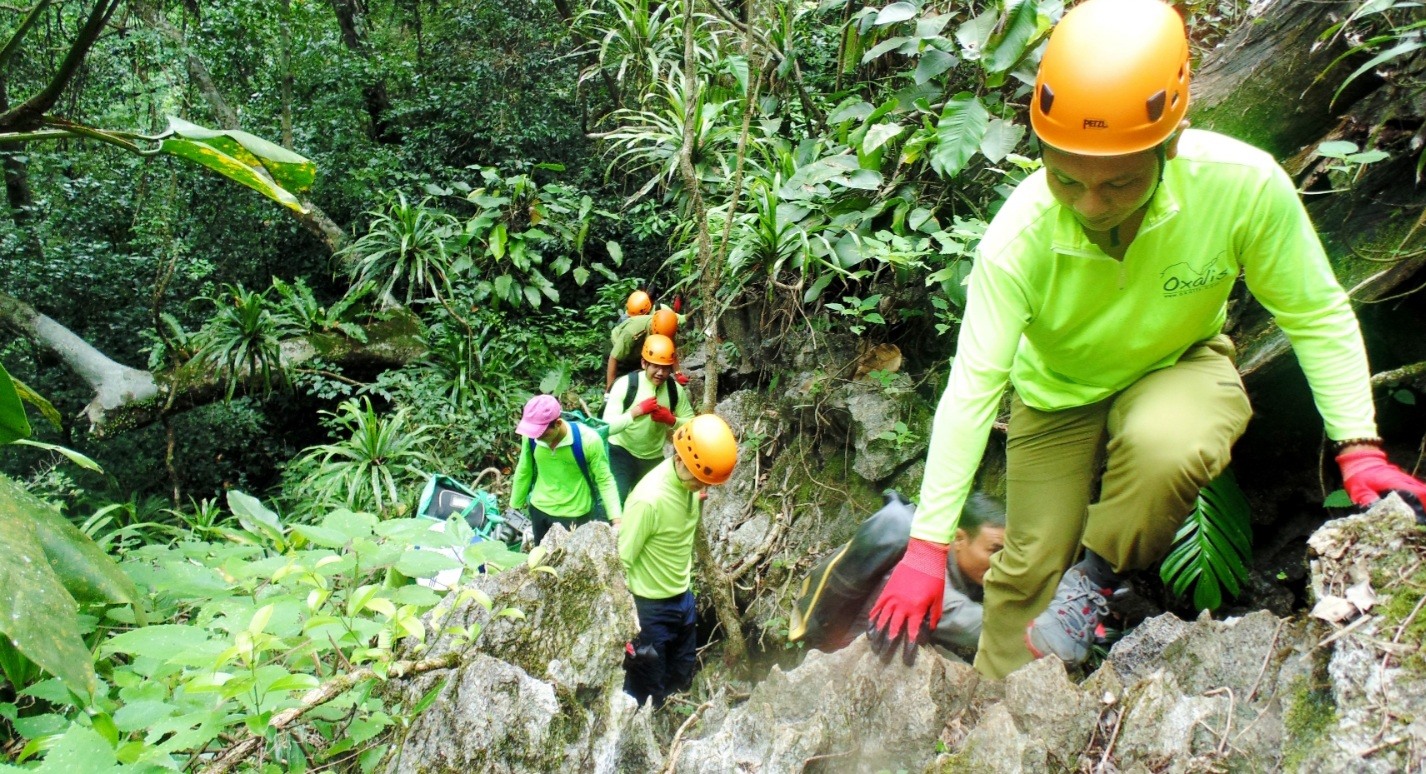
1182,278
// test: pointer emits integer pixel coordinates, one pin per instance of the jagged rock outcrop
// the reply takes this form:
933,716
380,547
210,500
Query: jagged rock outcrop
541,690
1252,693
843,711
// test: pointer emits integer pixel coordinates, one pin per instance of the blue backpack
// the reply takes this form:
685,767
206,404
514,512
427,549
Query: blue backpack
576,419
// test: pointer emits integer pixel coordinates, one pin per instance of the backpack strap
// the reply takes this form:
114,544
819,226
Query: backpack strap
633,388
578,431
578,439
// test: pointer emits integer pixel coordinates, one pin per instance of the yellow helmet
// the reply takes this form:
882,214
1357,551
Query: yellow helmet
658,349
707,447
1113,80
638,303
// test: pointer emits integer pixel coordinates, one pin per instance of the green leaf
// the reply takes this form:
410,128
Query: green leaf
88,574
231,168
958,134
139,715
289,170
933,63
80,749
1020,31
1405,396
72,455
1213,547
161,641
254,516
36,612
896,12
1336,149
850,111
425,564
1001,137
497,241
1338,499
820,284
13,422
879,135
46,409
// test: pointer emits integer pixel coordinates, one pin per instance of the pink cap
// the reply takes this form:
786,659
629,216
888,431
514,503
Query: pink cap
540,412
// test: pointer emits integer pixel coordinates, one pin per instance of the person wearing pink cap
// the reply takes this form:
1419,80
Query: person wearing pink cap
561,466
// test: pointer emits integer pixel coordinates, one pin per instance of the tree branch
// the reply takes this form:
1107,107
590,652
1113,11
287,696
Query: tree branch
314,219
231,757
25,24
27,115
126,398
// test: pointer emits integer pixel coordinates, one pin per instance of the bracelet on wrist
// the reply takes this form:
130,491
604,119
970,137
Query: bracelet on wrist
1338,446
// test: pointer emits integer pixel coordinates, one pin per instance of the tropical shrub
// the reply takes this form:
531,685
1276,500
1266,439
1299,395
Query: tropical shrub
243,340
381,457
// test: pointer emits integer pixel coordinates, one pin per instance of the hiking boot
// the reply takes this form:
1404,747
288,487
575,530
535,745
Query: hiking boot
1067,628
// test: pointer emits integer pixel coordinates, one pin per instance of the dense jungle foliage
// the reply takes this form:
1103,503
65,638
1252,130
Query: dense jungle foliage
344,241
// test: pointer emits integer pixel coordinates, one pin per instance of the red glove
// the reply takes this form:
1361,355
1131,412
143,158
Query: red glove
1366,475
646,405
681,377
661,414
911,601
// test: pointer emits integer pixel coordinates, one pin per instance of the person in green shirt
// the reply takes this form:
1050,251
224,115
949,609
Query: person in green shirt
550,476
656,549
627,341
1100,293
643,410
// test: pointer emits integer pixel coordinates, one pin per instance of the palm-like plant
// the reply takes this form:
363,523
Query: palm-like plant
640,42
649,138
367,470
243,339
405,246
1211,552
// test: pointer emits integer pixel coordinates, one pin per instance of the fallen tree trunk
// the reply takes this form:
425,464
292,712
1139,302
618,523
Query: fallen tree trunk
126,397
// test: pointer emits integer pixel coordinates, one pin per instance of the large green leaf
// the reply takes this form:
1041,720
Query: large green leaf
1213,548
289,170
14,425
46,409
243,158
958,134
1021,30
88,574
36,612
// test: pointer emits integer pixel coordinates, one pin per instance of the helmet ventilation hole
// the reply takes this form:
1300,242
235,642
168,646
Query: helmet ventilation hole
1156,105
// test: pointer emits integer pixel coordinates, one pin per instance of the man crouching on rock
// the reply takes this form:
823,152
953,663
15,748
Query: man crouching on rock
1100,292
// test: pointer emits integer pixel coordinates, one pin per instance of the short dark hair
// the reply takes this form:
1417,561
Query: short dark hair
982,510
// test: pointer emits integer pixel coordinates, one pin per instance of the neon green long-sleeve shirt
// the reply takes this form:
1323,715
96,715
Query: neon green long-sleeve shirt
1067,325
561,489
656,538
641,436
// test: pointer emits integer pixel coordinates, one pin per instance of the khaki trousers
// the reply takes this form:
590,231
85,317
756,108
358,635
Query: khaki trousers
1161,439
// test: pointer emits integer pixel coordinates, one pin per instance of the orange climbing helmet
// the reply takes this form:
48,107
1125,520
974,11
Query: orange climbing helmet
1113,80
707,447
658,349
664,323
638,303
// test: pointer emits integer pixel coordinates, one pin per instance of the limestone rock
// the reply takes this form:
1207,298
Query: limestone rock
542,691
843,711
